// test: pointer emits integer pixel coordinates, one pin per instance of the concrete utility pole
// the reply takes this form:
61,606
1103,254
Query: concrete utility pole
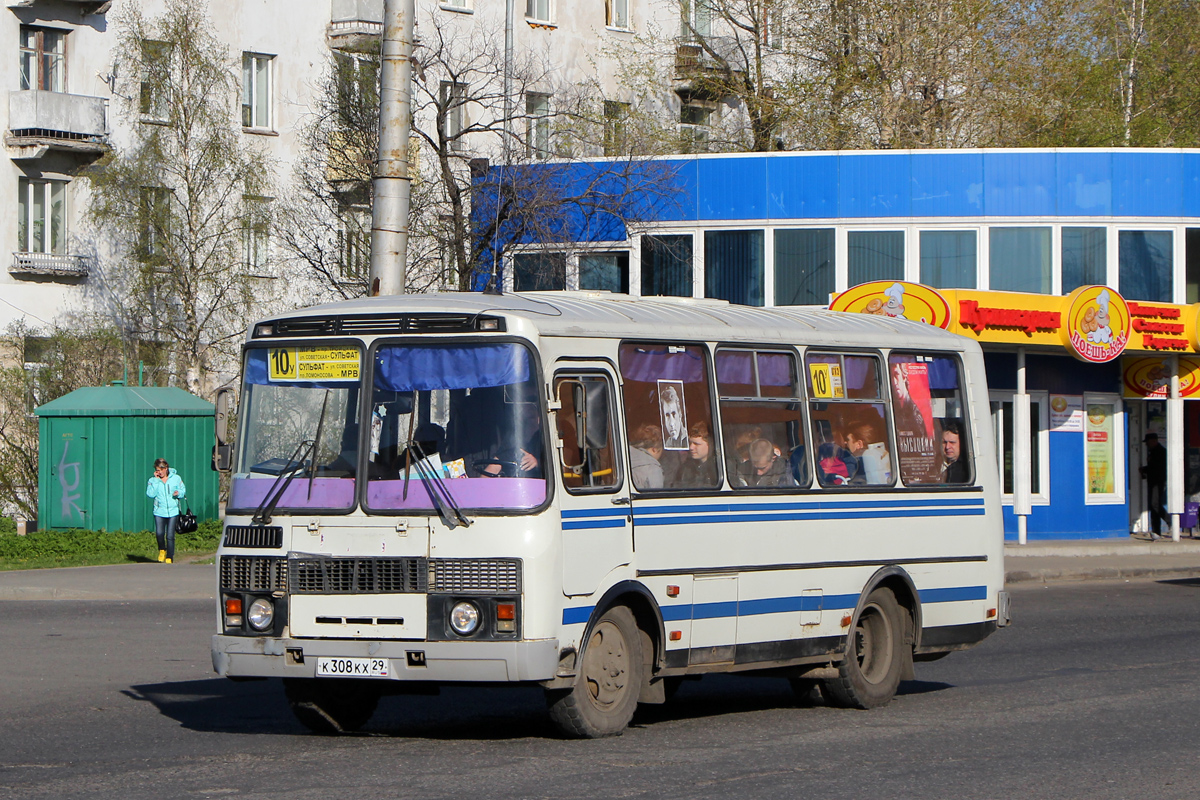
389,211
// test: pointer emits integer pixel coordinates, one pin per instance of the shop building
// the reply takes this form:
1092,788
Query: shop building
1078,271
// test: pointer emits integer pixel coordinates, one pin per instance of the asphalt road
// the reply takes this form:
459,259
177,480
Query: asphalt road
1092,693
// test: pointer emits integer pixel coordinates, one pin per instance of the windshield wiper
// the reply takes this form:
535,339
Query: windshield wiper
435,483
296,462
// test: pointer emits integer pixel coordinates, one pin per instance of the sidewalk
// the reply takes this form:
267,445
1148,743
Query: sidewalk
1037,562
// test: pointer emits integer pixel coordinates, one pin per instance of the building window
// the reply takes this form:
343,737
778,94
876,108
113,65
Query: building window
948,259
605,272
42,216
667,266
156,80
537,125
875,256
256,91
154,208
1003,426
453,102
617,13
616,117
354,243
733,266
804,266
256,234
695,117
695,19
1191,249
43,59
1104,448
538,10
1146,260
536,272
1020,260
1084,258
457,5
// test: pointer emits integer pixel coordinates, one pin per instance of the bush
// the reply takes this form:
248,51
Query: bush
78,547
7,525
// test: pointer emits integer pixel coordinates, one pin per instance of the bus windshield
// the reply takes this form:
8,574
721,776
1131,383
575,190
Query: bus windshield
462,420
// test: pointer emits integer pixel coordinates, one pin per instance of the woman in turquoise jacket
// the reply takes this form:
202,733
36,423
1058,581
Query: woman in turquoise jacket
167,489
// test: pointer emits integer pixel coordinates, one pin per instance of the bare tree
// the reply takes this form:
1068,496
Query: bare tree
184,204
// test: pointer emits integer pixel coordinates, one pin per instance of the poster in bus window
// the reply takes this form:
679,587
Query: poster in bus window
912,409
672,410
1100,448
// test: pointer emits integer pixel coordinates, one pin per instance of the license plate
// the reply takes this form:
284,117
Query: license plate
352,667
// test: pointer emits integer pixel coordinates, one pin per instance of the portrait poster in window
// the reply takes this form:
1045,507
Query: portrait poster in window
673,412
913,410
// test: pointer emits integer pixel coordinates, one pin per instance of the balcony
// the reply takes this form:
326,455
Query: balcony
49,265
86,7
354,24
41,121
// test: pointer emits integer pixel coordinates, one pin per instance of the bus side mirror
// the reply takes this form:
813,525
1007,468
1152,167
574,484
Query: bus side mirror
222,458
595,416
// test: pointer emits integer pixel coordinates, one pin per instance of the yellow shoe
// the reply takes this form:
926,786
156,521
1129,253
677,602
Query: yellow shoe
162,556
168,561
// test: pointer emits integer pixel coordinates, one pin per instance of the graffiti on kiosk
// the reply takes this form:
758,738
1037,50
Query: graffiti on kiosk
69,488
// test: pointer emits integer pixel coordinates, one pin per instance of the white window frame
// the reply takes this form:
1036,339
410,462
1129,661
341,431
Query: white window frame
842,244
257,99
1042,398
695,19
540,11
537,125
912,268
454,97
1120,454
460,6
614,10
37,77
1178,278
256,235
49,221
154,101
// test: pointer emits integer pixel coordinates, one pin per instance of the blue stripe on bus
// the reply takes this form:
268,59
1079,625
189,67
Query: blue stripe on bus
814,505
705,519
588,524
595,512
780,605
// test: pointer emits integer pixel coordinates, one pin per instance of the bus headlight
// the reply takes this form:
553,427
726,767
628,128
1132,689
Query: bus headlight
464,618
261,614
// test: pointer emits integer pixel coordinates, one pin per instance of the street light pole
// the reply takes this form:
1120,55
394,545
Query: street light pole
391,184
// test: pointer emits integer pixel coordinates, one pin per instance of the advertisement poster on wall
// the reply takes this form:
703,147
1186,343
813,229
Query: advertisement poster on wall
1099,445
1066,412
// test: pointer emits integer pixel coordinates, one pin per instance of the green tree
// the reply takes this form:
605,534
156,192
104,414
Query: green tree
184,201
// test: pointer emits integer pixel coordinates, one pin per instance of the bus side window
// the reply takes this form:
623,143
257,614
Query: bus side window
584,430
931,421
666,385
849,420
762,419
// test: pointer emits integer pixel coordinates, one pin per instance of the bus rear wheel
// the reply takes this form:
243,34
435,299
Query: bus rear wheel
870,672
608,682
331,705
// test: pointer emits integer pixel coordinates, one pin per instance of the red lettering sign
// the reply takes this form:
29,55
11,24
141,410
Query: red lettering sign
1146,326
1138,310
979,318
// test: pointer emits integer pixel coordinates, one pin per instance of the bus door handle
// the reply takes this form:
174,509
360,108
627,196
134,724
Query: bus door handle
620,501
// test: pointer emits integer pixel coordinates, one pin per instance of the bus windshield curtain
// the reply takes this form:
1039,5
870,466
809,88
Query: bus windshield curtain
733,266
403,369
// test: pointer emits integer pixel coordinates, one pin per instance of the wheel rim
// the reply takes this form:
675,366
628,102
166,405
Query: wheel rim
606,666
873,643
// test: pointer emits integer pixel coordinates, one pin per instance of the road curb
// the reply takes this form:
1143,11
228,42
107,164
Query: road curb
1053,575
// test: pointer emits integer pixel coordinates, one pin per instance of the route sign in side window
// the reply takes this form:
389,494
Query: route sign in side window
585,437
932,436
762,419
849,420
668,414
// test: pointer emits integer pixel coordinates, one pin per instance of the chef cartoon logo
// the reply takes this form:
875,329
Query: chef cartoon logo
897,299
1097,324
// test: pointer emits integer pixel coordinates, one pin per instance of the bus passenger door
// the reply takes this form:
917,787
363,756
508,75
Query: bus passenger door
597,526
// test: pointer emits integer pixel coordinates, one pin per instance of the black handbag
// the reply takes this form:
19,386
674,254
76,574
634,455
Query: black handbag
187,521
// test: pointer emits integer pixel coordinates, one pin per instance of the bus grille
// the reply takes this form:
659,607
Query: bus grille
254,573
253,536
318,575
491,576
383,324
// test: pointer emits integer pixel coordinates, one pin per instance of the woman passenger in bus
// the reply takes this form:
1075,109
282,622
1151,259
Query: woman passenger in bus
645,455
865,443
700,470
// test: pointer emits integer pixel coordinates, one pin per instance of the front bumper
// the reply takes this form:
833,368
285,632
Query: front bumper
468,662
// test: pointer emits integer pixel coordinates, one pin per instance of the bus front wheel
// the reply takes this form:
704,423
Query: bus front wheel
608,682
874,660
331,705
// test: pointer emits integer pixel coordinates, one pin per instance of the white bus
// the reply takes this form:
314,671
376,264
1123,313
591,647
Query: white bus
602,495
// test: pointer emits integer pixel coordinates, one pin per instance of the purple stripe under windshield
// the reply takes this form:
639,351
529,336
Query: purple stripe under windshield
326,493
467,493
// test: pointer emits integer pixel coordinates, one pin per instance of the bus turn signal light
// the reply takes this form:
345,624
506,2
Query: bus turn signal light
233,605
676,636
672,591
506,617
991,613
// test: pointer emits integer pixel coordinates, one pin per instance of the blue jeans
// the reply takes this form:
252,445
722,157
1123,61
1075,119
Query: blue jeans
164,531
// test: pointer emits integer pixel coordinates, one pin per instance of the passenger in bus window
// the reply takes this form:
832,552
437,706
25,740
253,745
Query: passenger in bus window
954,463
836,466
645,454
523,448
766,468
700,470
865,442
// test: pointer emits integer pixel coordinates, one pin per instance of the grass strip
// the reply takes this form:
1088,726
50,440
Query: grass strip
83,548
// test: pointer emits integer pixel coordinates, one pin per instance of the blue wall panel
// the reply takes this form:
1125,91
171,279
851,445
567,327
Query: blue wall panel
802,187
732,188
1019,184
947,184
874,185
1191,184
1084,182
1147,184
